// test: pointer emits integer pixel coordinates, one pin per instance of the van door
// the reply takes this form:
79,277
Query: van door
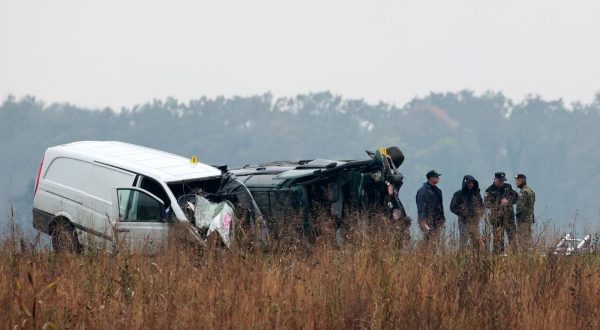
101,182
141,223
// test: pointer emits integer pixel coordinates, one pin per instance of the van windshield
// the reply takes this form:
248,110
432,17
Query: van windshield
183,188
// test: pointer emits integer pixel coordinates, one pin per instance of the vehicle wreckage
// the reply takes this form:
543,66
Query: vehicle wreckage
215,211
569,245
103,193
283,188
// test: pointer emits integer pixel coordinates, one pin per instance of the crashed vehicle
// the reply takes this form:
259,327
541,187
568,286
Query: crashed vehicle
106,193
284,188
568,245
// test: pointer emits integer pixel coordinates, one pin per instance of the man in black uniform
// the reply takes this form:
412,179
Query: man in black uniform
499,199
430,208
467,204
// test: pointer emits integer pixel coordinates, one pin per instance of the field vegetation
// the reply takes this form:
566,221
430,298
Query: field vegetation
371,281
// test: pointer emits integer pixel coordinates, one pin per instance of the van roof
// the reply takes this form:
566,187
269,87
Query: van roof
166,167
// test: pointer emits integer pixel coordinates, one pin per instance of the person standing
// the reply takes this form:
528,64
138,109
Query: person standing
525,216
467,204
430,210
499,199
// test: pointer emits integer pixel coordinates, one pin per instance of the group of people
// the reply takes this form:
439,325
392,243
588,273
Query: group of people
497,206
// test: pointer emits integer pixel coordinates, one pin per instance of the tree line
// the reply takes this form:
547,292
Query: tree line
455,133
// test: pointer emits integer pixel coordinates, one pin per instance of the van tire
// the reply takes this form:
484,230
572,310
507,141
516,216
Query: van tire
64,237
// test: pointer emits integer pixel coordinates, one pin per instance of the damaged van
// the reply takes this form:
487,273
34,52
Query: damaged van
288,189
101,193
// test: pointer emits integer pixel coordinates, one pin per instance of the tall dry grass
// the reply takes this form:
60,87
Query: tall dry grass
369,282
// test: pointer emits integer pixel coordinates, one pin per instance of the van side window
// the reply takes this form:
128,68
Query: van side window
156,189
136,206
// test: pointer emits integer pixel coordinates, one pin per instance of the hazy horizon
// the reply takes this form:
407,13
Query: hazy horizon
115,54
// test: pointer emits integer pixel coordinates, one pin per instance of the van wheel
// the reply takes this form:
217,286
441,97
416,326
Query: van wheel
64,238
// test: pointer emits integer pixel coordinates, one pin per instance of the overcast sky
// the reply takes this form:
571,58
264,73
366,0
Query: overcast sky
120,53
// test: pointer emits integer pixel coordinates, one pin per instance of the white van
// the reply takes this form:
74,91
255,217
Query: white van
101,192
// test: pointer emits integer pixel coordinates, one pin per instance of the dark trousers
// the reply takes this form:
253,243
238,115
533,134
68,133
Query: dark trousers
503,223
498,243
511,232
469,232
435,232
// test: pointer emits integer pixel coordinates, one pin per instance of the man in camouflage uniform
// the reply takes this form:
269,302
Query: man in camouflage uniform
499,199
525,217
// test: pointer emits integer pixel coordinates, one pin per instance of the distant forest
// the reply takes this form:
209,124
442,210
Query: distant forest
558,147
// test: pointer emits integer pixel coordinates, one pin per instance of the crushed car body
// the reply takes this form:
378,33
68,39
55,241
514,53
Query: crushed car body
569,245
284,187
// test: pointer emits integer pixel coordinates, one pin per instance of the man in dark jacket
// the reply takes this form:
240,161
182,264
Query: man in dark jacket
430,210
499,199
467,204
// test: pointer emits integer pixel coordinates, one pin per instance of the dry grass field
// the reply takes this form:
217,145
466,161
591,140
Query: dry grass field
369,282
